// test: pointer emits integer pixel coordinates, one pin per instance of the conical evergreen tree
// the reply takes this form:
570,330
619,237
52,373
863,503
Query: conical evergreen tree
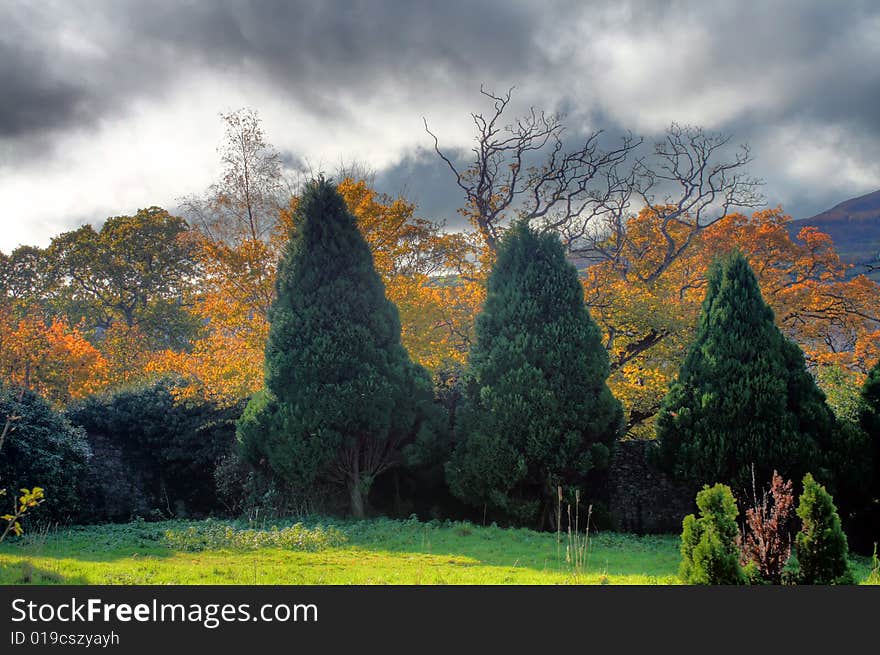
743,396
822,548
342,396
537,411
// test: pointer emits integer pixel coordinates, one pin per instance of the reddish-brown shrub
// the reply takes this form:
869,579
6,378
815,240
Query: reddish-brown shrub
767,539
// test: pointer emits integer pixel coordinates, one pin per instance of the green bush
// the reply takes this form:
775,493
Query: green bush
709,544
153,451
42,449
213,535
791,572
822,549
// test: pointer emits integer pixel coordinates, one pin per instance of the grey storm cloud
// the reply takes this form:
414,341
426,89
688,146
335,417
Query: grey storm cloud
798,80
33,101
311,50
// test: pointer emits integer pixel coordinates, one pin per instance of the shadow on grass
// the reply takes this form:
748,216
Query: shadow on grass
94,543
25,573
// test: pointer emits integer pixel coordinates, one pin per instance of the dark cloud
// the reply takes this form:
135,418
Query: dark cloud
33,96
314,52
803,69
34,101
424,177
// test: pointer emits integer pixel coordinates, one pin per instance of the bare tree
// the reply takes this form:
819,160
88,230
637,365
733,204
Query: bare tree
587,194
522,168
699,186
244,203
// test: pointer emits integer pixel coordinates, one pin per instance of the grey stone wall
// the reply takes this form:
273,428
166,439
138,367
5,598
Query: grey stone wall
642,499
114,487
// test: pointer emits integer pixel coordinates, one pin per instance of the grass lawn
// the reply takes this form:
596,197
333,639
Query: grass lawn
378,551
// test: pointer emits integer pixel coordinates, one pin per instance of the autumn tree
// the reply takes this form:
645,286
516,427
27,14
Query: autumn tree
342,396
238,216
53,359
240,226
243,204
137,270
89,287
125,288
648,325
743,396
835,317
537,412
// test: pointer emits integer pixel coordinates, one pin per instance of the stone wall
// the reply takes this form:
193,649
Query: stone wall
642,499
114,487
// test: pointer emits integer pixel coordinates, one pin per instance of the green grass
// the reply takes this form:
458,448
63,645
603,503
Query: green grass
379,551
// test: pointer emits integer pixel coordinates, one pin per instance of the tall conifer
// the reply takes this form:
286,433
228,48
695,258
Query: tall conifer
743,396
342,396
870,423
537,411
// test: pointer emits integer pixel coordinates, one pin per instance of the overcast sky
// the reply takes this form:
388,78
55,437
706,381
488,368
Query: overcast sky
106,107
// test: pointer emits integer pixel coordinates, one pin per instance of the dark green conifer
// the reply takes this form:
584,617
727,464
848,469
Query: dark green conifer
342,396
743,396
869,420
537,412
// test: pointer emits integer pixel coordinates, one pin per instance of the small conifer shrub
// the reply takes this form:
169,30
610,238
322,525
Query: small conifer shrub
710,544
822,549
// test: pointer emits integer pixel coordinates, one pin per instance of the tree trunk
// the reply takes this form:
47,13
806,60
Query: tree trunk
355,487
357,498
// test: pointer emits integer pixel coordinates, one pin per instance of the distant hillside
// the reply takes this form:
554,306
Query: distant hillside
854,225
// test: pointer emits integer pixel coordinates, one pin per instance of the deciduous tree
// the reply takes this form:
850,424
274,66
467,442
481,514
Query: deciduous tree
54,359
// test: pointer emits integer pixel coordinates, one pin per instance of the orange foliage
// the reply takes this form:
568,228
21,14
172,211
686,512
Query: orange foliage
127,353
648,324
52,358
428,274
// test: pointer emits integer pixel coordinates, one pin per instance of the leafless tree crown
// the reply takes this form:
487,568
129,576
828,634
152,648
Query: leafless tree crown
587,194
244,203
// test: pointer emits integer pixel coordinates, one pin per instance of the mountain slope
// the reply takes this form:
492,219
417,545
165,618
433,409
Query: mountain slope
854,225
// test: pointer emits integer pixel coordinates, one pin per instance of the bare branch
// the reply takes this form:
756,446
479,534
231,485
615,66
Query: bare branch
523,169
